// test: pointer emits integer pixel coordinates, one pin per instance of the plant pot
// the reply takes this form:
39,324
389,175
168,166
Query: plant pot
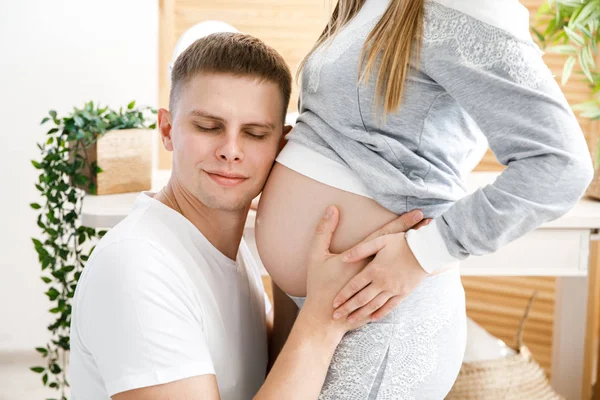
125,157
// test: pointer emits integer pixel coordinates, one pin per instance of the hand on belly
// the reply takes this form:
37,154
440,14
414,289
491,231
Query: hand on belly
291,205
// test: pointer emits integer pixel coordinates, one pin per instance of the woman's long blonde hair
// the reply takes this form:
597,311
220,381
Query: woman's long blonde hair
396,39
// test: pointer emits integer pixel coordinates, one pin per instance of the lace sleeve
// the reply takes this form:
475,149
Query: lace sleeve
479,45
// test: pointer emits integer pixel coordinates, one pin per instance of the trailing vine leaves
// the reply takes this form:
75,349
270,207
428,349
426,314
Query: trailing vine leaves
61,252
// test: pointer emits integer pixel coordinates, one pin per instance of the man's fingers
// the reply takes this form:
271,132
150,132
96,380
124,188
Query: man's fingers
355,285
373,306
360,299
324,232
386,308
364,250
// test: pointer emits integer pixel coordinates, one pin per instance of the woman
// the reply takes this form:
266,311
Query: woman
399,98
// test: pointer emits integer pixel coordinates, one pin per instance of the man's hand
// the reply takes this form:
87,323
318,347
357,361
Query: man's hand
392,275
327,274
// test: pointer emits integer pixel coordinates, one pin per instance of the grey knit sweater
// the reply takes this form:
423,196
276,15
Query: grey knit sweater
480,81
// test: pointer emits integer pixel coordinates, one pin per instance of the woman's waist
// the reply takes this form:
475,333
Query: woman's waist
399,191
313,164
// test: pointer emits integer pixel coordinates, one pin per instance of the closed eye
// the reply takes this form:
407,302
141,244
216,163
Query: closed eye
257,135
207,129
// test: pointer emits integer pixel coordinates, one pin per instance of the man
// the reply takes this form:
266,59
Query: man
170,305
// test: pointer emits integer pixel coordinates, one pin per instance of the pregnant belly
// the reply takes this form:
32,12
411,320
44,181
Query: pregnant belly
290,207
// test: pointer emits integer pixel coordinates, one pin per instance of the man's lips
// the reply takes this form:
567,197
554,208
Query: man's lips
228,179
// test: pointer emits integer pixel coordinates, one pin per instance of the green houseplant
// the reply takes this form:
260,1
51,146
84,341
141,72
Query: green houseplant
570,28
65,170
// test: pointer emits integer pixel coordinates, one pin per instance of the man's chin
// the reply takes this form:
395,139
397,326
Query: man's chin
229,202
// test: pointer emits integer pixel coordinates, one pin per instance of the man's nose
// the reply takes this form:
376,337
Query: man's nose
231,149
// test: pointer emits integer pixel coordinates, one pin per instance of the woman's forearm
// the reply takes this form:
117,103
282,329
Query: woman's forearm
301,367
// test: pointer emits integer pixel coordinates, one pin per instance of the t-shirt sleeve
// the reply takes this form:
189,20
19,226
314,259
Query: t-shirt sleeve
505,87
138,319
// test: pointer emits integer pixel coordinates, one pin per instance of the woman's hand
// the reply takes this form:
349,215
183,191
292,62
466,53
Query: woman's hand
392,275
327,274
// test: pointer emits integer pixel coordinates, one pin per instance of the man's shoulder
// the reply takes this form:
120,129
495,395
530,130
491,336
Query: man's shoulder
142,223
144,241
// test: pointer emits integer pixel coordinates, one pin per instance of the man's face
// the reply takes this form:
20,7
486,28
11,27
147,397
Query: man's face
224,136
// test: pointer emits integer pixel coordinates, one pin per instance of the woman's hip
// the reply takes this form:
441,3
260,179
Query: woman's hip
414,352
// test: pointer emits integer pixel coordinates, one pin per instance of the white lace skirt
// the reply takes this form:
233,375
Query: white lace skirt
414,353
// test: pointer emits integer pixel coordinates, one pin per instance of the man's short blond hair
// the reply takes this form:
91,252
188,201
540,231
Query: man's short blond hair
232,53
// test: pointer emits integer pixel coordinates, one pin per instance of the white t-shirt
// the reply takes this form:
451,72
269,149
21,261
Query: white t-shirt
157,302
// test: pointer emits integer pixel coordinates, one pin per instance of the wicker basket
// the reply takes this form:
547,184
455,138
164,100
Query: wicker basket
516,377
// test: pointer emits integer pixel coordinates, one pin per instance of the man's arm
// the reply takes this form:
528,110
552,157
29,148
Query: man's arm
198,387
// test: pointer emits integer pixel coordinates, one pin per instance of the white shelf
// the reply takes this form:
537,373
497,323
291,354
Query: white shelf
107,210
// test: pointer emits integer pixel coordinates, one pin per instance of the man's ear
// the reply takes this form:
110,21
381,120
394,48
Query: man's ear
164,128
286,130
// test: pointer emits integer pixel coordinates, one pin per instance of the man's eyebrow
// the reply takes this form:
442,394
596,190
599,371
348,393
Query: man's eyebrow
264,125
204,114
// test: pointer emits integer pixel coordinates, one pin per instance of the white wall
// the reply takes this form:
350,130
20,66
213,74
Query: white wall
55,55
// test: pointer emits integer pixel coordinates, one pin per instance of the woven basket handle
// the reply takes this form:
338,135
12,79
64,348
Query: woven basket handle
522,323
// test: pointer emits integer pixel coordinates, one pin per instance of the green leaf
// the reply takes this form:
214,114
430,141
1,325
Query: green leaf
537,33
52,114
37,243
55,369
80,179
45,379
46,119
589,58
131,105
36,164
562,49
46,279
585,68
574,36
41,350
35,206
51,131
568,68
52,294
38,370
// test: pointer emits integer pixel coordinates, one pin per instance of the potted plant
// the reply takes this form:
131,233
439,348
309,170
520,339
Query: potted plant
75,149
570,28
